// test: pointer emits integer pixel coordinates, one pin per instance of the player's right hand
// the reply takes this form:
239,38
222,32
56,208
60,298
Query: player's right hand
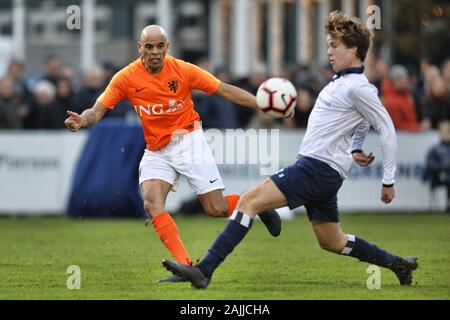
73,122
387,194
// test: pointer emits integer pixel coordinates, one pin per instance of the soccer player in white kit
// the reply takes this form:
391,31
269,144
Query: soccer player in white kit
342,115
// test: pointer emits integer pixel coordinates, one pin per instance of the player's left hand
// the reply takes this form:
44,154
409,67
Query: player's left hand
363,159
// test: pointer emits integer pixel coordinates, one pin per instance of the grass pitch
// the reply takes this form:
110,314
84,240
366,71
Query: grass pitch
121,259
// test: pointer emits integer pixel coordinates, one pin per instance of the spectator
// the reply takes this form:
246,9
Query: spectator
306,98
70,73
327,74
446,72
93,85
110,70
52,69
251,84
437,170
45,112
16,73
217,112
9,107
417,93
429,73
436,104
380,74
21,93
245,115
303,76
398,99
65,97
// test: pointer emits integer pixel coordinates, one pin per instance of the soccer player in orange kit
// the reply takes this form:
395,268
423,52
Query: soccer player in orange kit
159,88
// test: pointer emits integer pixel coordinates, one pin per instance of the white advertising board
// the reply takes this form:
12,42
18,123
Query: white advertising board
36,170
360,191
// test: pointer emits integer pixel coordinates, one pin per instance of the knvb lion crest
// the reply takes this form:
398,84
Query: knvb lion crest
173,85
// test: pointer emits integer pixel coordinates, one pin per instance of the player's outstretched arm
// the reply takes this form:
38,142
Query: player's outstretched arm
87,118
237,95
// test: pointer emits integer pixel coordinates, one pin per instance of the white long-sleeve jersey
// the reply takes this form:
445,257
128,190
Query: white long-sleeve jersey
342,115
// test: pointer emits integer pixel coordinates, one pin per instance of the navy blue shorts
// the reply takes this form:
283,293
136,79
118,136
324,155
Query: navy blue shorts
312,183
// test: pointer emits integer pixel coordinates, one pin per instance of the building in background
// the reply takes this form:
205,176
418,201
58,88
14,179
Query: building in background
244,34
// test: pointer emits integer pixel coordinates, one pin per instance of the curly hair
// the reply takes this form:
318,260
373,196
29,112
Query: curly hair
351,31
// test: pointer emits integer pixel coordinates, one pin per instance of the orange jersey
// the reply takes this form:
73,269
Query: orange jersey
163,102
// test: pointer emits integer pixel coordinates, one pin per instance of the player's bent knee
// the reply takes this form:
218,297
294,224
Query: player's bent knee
152,209
249,202
255,200
216,210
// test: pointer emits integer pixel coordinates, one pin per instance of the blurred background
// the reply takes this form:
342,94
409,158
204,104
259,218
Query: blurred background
56,57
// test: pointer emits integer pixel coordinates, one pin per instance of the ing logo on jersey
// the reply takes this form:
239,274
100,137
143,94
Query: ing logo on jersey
173,85
158,109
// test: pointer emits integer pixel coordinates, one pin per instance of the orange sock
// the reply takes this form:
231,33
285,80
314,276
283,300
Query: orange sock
167,231
232,200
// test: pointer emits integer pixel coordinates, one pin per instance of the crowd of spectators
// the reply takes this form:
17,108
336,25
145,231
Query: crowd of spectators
416,101
41,102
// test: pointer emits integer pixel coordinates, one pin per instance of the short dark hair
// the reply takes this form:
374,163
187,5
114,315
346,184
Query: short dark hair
351,31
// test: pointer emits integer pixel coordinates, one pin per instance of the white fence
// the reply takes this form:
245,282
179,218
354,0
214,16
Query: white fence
36,171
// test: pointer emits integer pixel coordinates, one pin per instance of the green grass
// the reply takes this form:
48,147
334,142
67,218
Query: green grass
121,259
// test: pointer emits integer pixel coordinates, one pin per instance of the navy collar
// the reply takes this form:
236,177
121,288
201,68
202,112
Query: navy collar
347,71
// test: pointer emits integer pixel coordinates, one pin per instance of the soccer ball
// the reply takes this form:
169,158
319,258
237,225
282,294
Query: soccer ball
276,97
